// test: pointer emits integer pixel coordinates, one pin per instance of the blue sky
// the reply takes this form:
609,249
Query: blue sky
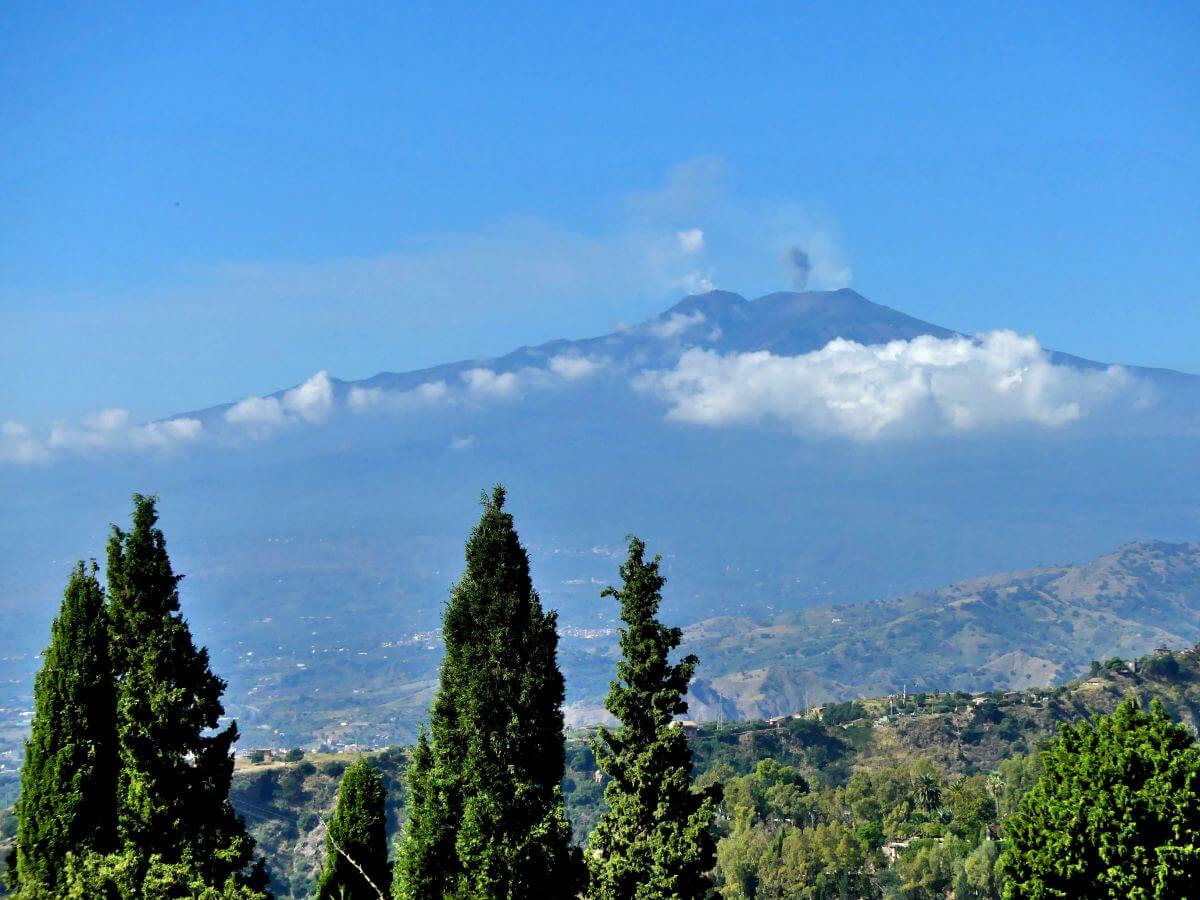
205,202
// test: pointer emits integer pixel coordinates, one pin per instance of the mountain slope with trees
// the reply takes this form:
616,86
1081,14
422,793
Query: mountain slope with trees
977,750
1018,630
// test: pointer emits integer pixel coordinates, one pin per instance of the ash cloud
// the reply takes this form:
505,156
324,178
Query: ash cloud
800,263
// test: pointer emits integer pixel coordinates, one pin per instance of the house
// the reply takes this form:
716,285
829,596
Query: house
892,849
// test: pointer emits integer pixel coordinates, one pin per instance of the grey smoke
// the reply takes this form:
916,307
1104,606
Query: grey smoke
797,258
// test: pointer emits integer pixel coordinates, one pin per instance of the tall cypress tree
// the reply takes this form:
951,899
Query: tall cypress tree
655,840
486,817
358,830
68,781
174,772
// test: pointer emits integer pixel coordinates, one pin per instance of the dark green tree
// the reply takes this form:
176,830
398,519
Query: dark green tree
68,781
175,769
486,817
356,850
1115,812
655,840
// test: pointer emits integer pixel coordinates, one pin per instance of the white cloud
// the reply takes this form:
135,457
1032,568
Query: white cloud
18,444
574,368
479,384
168,433
106,430
112,429
697,282
462,443
675,324
430,393
309,402
312,400
487,383
257,413
691,240
904,388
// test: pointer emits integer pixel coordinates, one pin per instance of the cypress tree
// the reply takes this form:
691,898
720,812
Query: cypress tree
358,830
68,780
486,817
174,770
655,840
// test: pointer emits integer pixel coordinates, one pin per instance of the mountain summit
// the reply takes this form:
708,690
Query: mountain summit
788,323
785,323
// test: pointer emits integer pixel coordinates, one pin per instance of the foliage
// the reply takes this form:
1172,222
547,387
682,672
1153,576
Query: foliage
174,773
129,875
358,830
784,840
655,840
486,817
1115,812
69,777
839,713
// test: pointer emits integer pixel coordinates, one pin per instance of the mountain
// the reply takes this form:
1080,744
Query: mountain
1013,631
776,468
784,323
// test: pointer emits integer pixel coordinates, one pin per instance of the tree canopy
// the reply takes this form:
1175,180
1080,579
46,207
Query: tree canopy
1115,812
655,839
486,817
356,848
175,769
68,780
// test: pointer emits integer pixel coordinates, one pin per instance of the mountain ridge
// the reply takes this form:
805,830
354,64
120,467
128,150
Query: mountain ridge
785,323
1028,628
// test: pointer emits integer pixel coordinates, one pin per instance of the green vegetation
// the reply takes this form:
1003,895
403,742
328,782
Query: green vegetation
356,849
963,745
486,816
129,789
655,840
173,782
1115,813
123,683
69,778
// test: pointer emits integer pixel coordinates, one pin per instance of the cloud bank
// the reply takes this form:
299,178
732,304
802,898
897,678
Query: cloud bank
314,402
431,393
479,385
309,402
911,388
105,431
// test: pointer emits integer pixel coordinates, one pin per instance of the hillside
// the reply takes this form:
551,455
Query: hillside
1018,630
959,734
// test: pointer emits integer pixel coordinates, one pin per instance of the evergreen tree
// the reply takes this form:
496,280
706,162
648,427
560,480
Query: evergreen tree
486,817
655,840
174,770
68,781
1115,812
358,830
